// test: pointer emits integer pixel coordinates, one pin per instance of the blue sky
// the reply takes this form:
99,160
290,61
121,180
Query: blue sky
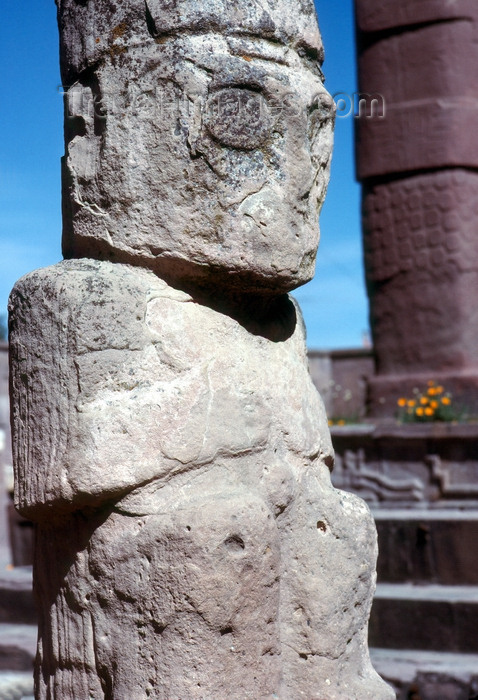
334,303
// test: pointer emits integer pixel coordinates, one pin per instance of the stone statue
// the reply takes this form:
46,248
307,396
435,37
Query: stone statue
169,443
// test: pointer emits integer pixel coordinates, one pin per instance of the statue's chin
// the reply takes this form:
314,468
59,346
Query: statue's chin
270,264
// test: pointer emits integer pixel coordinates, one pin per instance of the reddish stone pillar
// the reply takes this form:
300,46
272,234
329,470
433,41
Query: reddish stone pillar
418,163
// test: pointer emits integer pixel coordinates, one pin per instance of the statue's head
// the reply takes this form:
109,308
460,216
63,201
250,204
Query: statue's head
198,138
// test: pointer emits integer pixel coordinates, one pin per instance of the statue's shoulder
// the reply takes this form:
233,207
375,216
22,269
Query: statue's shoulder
80,278
85,299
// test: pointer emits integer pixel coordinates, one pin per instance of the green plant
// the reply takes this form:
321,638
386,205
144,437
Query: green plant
432,404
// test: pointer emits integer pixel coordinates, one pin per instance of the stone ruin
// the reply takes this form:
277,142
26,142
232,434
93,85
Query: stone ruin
168,441
418,166
417,160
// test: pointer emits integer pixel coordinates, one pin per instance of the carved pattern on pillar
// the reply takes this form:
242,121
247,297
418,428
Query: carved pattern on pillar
420,243
418,164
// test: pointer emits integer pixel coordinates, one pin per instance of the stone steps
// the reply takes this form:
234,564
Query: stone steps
16,685
436,618
18,633
17,647
431,675
428,546
424,621
16,598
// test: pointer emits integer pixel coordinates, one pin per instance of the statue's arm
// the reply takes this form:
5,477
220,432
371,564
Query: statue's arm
86,385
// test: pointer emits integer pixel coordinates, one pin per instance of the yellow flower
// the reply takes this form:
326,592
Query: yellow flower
431,382
434,404
431,391
420,411
331,422
446,401
411,403
429,411
341,422
402,402
439,390
424,400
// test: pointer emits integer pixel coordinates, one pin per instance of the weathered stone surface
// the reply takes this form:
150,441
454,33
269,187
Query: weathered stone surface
168,441
381,15
134,355
425,617
190,540
419,245
90,33
434,671
409,465
17,647
16,600
5,456
450,688
417,161
16,685
434,546
419,56
198,139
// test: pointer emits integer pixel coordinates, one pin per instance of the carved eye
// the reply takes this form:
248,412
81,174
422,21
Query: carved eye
321,110
239,118
322,107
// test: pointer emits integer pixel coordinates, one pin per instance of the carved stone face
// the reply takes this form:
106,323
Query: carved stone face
205,157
